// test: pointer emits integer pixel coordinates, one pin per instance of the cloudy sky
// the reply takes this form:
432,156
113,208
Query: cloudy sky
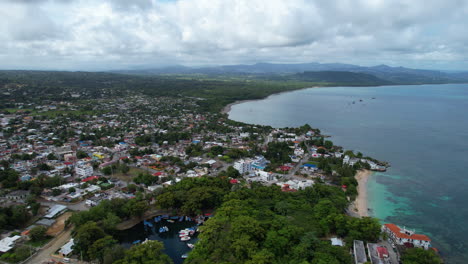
122,34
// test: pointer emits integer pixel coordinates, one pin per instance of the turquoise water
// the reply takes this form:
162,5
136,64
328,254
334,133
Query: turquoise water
421,130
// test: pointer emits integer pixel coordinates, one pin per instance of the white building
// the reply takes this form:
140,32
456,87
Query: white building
8,243
400,236
265,176
298,151
84,171
243,166
67,249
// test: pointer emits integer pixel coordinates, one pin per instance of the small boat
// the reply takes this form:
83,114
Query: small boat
157,218
170,221
188,218
147,223
165,216
184,256
163,229
181,219
136,242
190,245
174,217
185,238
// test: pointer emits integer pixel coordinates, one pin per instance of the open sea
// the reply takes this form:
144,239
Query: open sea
422,130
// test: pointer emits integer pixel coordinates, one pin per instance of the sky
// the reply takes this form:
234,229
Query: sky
135,34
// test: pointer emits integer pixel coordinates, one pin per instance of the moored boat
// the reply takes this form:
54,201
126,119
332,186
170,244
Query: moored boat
185,238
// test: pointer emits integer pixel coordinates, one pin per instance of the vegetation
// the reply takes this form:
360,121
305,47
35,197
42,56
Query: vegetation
420,256
265,225
146,253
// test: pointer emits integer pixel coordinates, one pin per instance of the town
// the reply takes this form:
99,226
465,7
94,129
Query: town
60,157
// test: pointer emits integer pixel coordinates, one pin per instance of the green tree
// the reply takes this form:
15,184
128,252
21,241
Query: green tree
146,253
86,235
38,233
420,256
51,156
124,168
107,170
98,249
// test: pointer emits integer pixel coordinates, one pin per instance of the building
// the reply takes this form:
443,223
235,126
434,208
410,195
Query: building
265,176
84,171
55,210
402,236
67,249
17,195
8,243
243,166
359,251
336,241
260,163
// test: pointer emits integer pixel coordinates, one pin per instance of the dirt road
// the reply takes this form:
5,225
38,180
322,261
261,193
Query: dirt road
53,246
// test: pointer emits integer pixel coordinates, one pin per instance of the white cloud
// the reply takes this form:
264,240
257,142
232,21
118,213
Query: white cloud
88,34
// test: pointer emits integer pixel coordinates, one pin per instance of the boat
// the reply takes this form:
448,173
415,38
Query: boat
147,223
163,229
136,242
185,238
174,217
170,221
157,218
188,218
184,256
181,219
190,245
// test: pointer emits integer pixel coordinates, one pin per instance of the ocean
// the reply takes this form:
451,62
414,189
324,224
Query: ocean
422,130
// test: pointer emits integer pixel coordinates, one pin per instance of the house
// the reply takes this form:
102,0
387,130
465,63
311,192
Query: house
265,176
377,254
310,167
84,171
67,249
336,241
8,243
359,251
17,195
55,210
401,236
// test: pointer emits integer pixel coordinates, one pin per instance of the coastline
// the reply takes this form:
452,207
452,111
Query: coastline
360,207
228,107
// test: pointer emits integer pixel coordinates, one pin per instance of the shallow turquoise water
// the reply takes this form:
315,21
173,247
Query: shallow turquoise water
421,130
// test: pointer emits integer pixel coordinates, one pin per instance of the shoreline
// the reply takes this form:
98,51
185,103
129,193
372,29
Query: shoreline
228,107
359,207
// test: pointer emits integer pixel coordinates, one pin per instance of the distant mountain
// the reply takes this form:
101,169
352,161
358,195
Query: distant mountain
396,75
341,77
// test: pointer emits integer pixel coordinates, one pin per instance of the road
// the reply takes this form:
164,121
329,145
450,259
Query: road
51,248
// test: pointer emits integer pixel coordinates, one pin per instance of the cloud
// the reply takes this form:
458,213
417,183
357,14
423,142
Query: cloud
87,34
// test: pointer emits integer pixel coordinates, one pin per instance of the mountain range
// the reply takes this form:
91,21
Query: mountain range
389,75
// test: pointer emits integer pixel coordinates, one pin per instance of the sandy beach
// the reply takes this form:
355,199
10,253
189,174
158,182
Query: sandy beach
227,108
359,206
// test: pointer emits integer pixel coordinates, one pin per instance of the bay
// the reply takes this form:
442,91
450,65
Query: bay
422,130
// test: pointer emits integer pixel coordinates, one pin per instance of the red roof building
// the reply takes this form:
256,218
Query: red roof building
234,181
401,236
90,178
